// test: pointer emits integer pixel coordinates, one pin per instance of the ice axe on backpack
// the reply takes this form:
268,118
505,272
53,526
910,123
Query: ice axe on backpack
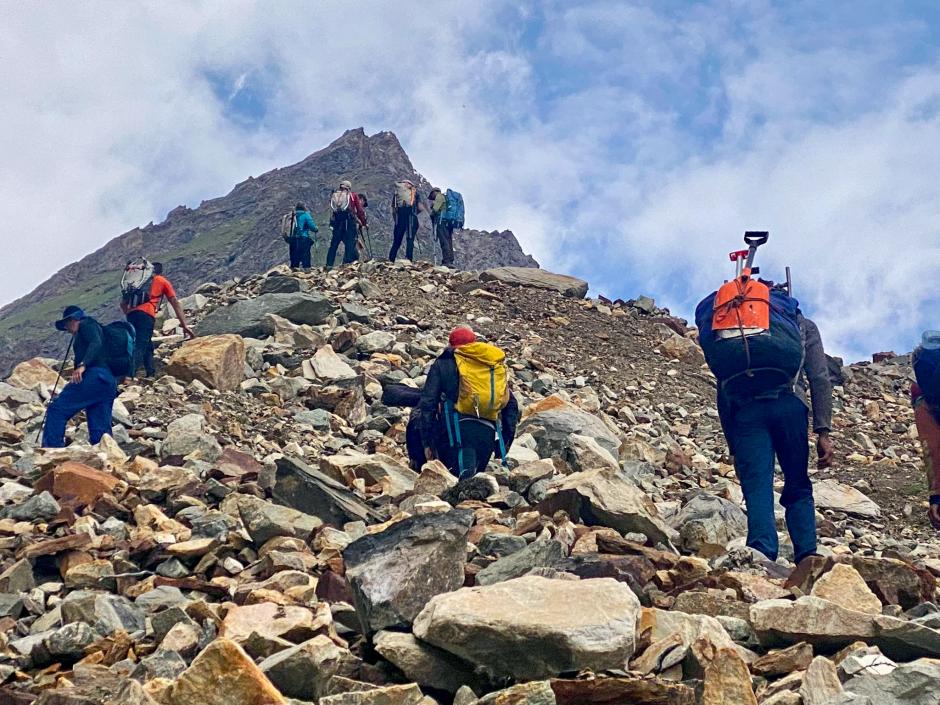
744,259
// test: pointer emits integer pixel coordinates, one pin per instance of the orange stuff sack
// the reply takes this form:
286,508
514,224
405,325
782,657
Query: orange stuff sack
742,305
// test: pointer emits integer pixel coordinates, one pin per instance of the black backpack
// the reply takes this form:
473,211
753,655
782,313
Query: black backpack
119,340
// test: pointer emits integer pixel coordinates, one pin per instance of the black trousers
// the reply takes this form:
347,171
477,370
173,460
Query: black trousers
300,251
445,236
406,222
143,345
344,231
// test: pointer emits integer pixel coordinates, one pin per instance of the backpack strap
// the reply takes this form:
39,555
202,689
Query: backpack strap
502,443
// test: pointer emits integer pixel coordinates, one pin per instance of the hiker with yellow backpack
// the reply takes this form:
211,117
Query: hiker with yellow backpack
467,412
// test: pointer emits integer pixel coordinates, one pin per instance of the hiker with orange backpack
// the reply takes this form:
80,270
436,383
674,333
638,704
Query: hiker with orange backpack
925,396
346,217
467,412
763,352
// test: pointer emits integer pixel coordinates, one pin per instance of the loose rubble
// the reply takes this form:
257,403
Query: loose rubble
253,534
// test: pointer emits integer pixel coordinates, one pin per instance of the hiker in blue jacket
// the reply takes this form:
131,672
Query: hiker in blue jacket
301,240
92,387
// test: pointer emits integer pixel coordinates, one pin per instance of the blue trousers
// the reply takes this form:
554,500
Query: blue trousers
758,431
95,395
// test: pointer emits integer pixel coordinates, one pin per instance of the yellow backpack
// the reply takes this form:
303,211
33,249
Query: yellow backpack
484,384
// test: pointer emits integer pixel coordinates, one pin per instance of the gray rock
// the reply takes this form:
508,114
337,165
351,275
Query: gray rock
425,664
281,284
539,279
496,544
68,643
820,682
394,573
534,693
163,622
40,507
18,577
11,605
14,396
533,627
308,490
376,341
160,597
913,683
645,304
537,554
172,568
303,671
554,422
318,419
357,312
265,520
246,317
709,521
105,612
186,437
160,664
390,695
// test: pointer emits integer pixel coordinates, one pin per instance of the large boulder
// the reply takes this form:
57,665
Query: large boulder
374,468
72,479
832,494
607,497
912,683
552,421
307,489
708,522
265,520
247,317
218,361
534,627
538,279
223,674
33,373
394,573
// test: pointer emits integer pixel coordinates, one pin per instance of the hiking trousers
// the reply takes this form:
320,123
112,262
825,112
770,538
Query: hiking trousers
445,236
94,394
758,432
143,341
344,231
300,252
406,222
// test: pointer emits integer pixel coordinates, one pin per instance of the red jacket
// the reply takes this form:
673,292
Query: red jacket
355,207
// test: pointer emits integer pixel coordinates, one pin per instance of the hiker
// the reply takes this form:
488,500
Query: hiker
92,386
405,208
467,412
925,397
762,350
140,306
444,232
347,216
301,238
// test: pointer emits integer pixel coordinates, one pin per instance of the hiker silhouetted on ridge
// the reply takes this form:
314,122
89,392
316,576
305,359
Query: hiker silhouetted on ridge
447,215
347,216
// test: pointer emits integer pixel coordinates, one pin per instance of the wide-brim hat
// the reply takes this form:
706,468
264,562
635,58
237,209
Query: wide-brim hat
71,313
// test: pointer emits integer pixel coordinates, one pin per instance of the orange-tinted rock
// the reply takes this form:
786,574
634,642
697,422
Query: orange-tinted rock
73,479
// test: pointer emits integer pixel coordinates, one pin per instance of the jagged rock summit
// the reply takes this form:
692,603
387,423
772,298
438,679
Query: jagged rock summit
236,236
252,533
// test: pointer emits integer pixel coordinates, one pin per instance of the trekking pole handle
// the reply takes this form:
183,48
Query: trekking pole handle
754,239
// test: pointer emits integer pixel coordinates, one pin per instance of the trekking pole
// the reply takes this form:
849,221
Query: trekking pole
789,283
54,387
369,241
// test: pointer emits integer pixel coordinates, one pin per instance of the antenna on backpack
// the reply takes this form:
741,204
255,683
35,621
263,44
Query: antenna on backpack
789,283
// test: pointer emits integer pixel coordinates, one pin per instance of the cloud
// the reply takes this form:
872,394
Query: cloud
628,142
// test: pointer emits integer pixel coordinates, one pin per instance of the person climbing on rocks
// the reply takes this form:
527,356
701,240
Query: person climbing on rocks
406,204
467,411
443,231
346,218
925,397
301,238
92,386
764,352
140,306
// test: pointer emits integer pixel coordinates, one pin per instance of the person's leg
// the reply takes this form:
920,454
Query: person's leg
292,249
477,444
398,235
350,254
412,231
334,242
446,237
135,319
789,430
102,389
754,464
146,332
304,255
72,399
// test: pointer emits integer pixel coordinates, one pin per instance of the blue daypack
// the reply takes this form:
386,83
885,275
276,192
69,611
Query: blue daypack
453,214
119,340
926,363
749,365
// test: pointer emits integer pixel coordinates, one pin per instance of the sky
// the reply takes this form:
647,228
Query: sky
627,143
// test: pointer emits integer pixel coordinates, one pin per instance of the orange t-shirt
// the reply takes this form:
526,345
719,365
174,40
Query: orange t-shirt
159,287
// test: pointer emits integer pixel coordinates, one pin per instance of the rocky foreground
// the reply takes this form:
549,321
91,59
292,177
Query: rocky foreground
253,535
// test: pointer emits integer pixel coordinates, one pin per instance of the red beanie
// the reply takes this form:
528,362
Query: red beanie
461,335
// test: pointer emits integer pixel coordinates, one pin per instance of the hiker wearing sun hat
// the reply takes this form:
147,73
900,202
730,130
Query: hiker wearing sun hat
92,386
467,411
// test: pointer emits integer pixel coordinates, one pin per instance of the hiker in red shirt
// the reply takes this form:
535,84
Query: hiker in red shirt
144,316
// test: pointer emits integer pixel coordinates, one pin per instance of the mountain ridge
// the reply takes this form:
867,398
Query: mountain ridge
235,236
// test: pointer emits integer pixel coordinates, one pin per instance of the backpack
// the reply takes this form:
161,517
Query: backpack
752,344
135,283
926,363
288,224
484,387
453,214
405,194
119,340
339,200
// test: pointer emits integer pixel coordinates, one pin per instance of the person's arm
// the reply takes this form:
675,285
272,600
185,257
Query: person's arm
359,211
178,310
310,225
509,419
427,407
89,348
820,386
